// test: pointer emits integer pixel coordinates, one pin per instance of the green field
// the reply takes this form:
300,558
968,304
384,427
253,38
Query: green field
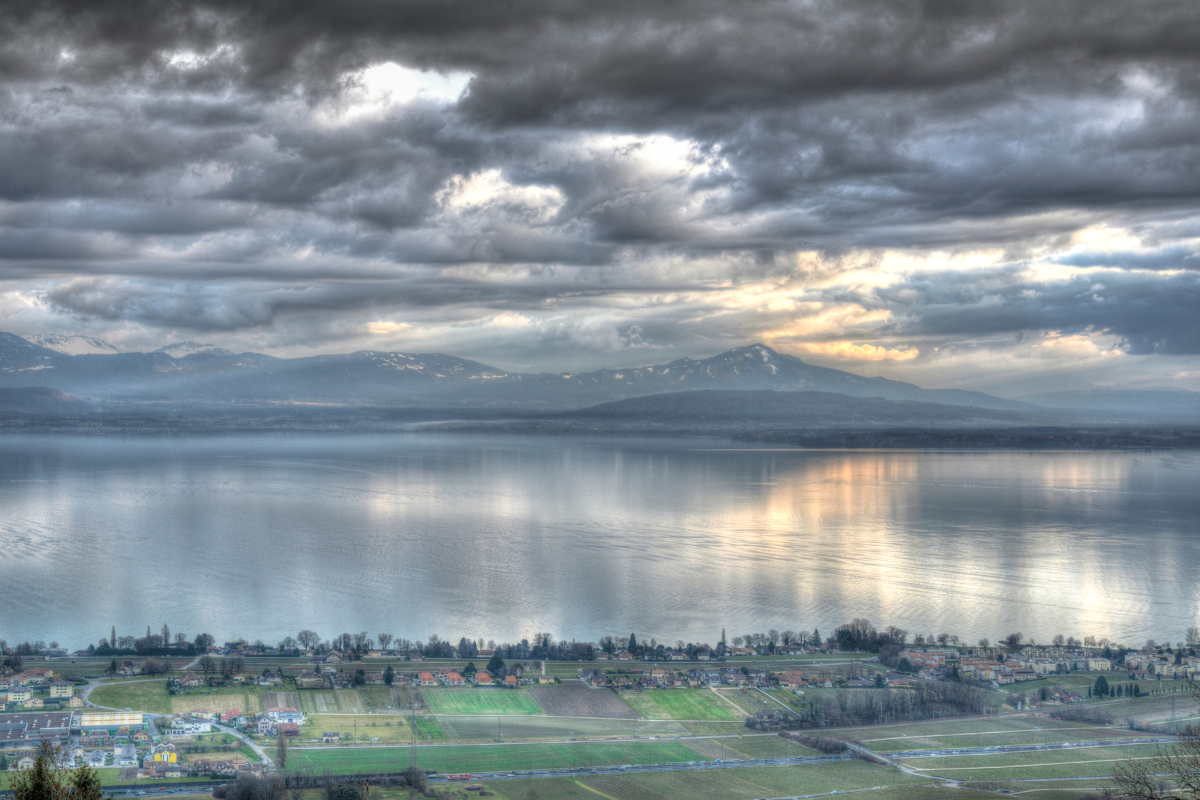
545,727
495,757
691,704
480,701
739,783
144,695
976,732
369,726
1071,763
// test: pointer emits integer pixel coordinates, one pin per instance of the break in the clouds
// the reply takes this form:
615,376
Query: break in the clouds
963,192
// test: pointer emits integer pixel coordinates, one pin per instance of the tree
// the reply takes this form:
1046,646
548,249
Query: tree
385,641
1012,641
1173,772
44,782
879,680
308,639
1101,687
633,645
360,678
495,664
281,750
1192,638
415,777
204,641
389,675
112,667
984,643
207,665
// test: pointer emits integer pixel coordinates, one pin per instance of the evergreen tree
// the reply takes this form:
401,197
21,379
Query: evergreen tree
495,664
633,645
389,675
1101,687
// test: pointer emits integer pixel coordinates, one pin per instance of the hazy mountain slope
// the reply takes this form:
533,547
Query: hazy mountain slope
760,407
207,374
74,345
37,400
1154,404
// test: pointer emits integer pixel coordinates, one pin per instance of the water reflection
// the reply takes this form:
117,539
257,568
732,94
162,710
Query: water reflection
498,537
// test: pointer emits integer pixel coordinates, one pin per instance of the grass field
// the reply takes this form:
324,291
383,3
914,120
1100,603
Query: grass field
219,700
545,727
145,695
331,701
386,727
1075,762
727,784
979,733
491,758
749,746
480,701
691,704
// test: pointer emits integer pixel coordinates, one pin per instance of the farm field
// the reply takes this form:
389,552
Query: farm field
1001,731
1075,762
385,727
494,757
330,701
545,727
576,699
281,700
144,695
218,700
689,704
749,746
480,701
750,701
742,783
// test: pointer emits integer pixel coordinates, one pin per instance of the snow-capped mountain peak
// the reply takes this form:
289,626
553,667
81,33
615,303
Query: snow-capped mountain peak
181,349
73,345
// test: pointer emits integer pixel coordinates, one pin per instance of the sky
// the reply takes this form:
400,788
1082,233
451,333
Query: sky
961,193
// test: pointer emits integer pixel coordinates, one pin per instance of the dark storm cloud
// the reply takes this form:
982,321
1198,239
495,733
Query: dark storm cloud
222,165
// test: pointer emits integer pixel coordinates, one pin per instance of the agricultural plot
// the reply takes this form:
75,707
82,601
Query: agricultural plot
543,727
576,699
222,702
1069,763
689,704
324,701
749,782
348,701
494,757
145,695
976,732
281,700
386,728
480,701
377,698
749,701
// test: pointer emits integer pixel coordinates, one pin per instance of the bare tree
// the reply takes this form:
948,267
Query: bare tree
308,639
281,750
1173,772
207,665
385,641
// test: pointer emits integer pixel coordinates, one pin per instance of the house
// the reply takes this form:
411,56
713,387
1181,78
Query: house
511,681
287,729
75,701
309,680
454,679
62,689
331,736
483,679
34,702
545,679
124,755
186,726
792,680
373,678
190,681
333,657
25,762
163,752
341,680
899,681
271,678
140,737
96,759
290,715
427,679
264,726
416,655
19,694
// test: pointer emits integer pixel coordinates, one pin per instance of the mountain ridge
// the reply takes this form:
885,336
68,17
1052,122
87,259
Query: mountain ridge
368,377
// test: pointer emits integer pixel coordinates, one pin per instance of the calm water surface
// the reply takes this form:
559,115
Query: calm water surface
498,537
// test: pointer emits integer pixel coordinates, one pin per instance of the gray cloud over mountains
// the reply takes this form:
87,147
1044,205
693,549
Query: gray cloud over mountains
557,184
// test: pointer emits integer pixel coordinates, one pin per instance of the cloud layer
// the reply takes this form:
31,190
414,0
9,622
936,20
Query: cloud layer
965,192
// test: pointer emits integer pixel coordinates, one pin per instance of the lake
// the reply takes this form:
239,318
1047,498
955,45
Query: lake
498,537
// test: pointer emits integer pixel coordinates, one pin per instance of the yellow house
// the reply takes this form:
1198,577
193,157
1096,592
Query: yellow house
62,689
165,753
19,694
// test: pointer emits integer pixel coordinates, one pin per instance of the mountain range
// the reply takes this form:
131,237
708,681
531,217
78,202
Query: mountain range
191,372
